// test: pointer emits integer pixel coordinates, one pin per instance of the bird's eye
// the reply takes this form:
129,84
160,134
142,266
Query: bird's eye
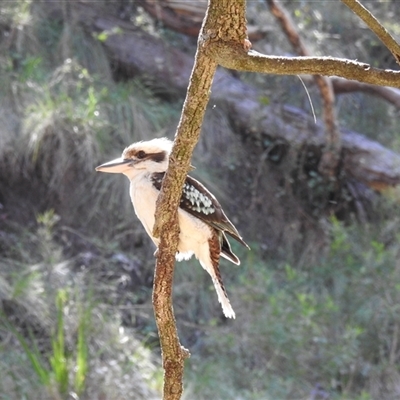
141,154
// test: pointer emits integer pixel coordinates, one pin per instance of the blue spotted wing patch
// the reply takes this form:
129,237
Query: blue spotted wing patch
199,202
195,200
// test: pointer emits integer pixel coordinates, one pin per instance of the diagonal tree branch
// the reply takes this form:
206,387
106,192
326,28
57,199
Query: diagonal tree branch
288,27
166,225
385,37
224,21
389,94
236,58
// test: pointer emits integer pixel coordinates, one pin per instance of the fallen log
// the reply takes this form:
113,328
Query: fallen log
187,16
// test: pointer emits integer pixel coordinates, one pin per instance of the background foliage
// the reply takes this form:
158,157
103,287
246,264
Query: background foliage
76,267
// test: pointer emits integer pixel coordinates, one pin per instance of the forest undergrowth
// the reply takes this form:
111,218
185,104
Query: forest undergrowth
76,267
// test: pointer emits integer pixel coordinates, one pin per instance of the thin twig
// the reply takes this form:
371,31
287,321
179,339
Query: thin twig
166,218
288,27
167,227
253,61
385,37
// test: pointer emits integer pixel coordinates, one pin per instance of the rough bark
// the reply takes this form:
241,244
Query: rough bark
167,227
226,22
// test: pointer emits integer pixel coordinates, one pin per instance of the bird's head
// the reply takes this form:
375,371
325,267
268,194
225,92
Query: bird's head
147,156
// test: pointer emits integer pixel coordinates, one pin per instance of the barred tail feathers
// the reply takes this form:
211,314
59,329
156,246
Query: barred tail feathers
223,299
211,264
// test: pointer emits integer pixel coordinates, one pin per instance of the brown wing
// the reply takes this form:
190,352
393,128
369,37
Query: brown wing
202,204
226,250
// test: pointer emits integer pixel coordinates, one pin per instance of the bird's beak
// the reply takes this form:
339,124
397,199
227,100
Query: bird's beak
117,166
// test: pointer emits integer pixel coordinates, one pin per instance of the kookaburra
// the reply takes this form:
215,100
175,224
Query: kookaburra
202,222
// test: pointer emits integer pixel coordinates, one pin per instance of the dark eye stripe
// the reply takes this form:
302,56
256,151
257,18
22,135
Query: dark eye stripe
158,157
140,154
